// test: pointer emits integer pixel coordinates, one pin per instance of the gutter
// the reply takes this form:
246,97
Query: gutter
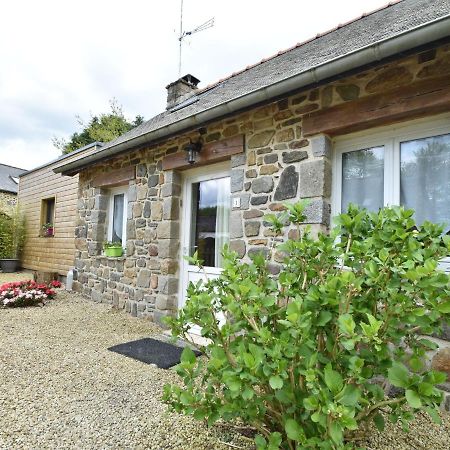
62,158
421,35
7,191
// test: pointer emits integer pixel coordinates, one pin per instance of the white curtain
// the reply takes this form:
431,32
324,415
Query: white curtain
222,218
363,178
118,218
425,178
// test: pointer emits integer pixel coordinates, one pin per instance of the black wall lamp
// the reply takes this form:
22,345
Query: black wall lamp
192,149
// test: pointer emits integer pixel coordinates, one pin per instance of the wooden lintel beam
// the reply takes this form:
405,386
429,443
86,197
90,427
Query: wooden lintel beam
413,101
210,153
115,178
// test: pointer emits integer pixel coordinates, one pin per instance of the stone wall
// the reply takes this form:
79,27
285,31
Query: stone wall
7,200
144,281
279,164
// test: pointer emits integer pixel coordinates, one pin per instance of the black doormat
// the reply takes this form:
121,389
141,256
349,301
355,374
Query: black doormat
151,351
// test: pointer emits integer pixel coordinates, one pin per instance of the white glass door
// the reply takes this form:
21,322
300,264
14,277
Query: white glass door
206,218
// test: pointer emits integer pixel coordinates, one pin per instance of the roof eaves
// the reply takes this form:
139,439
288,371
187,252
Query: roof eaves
312,69
387,47
12,167
63,157
8,191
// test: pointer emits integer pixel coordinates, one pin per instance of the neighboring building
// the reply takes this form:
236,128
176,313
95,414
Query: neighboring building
358,114
9,184
49,202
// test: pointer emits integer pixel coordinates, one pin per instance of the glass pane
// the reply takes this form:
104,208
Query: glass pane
50,210
210,224
425,178
117,228
363,178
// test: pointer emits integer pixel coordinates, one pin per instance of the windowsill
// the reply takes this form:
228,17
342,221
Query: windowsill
111,258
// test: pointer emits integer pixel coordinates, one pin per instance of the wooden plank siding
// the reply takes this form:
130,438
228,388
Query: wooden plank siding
53,254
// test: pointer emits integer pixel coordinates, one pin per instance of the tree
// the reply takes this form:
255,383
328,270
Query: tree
103,128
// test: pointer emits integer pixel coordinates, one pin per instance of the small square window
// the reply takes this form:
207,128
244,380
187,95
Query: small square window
48,217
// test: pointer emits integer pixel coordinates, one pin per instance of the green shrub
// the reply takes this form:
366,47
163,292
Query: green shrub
302,357
12,234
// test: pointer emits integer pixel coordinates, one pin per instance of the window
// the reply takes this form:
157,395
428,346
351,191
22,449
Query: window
425,177
47,217
407,165
363,177
210,219
117,216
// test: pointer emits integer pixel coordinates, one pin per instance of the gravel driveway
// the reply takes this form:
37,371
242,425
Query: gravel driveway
61,389
16,276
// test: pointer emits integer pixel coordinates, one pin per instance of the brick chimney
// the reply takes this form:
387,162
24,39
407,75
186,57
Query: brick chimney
180,90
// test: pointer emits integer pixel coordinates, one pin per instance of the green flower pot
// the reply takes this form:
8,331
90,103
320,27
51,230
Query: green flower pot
114,252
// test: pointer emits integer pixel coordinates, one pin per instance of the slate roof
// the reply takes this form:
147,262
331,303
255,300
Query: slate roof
7,175
385,23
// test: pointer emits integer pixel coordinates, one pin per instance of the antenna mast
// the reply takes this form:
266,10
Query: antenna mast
208,24
180,39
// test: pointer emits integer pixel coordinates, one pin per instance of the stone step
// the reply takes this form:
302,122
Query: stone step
444,386
445,405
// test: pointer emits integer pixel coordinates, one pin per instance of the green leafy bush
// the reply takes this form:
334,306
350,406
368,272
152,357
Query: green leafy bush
305,357
12,234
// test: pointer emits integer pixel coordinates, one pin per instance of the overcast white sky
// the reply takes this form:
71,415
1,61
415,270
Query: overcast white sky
59,59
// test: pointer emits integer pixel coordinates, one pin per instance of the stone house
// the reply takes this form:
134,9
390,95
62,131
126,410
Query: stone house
358,114
9,186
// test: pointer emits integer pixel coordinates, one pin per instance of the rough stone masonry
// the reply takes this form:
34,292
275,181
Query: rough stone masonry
279,164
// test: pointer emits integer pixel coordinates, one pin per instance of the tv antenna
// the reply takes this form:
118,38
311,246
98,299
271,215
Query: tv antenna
183,34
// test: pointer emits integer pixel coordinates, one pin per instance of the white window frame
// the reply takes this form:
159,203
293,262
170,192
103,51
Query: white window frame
390,137
112,192
189,177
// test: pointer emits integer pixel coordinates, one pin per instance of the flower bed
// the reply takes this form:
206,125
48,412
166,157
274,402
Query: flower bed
26,293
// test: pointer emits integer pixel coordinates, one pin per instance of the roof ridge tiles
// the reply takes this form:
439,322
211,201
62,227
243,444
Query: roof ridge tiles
299,44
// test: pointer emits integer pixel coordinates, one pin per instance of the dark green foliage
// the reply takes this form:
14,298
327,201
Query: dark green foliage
303,357
101,128
12,234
